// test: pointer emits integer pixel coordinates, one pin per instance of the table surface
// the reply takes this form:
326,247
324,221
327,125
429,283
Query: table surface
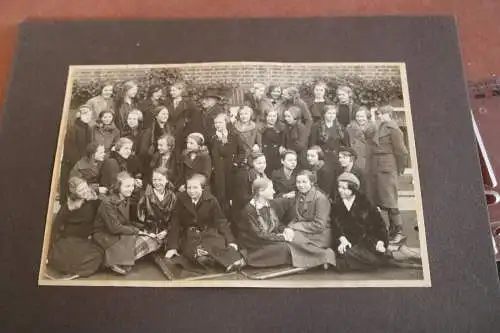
477,19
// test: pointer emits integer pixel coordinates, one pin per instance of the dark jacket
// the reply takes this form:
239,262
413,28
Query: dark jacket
76,141
317,110
346,113
272,139
114,165
155,213
122,114
329,139
326,177
208,117
112,221
362,225
105,135
172,166
147,108
201,164
281,183
148,144
206,215
186,118
88,170
296,137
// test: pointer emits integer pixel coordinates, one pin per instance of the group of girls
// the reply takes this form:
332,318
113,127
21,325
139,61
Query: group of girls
274,181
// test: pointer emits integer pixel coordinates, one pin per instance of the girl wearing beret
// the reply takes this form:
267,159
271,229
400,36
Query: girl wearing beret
195,159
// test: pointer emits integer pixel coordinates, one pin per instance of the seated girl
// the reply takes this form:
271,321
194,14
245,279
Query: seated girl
89,167
121,239
105,131
309,228
324,172
195,159
360,233
72,250
165,158
285,177
261,237
155,207
200,232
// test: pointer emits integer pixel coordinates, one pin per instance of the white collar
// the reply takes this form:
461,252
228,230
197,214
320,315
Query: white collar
349,202
259,205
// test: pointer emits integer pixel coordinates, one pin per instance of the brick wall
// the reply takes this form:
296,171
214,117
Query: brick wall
246,74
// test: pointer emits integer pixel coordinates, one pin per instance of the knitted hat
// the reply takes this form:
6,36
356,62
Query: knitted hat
350,178
198,137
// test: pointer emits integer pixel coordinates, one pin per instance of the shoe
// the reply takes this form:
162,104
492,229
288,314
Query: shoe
119,269
397,239
236,266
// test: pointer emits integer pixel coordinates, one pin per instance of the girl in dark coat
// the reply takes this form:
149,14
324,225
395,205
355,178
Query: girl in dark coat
272,140
148,106
102,102
257,101
105,132
75,144
346,108
149,138
89,167
317,107
247,130
291,98
329,135
296,135
200,231
185,116
125,103
228,157
276,101
122,240
261,237
72,251
155,207
133,129
285,177
361,130
324,173
360,233
165,158
195,159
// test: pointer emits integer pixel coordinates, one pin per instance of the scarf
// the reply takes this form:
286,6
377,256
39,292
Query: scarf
222,136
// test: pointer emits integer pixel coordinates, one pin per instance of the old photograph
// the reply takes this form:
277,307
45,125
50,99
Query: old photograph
236,174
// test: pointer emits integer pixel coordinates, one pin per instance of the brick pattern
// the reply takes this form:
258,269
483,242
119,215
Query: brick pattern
246,74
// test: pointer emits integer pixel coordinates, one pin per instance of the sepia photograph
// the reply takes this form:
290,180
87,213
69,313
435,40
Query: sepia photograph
236,174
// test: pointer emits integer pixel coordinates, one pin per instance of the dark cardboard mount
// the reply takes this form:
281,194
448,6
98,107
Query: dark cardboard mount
464,296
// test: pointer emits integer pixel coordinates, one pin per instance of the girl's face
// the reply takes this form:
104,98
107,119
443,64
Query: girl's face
259,91
319,91
361,117
245,116
344,191
208,102
159,181
175,92
343,96
286,94
290,161
132,92
127,187
330,115
194,189
157,95
312,157
126,150
345,160
133,120
99,154
83,191
163,146
384,117
107,118
107,91
220,123
267,193
85,115
276,93
192,145
260,164
289,119
272,118
162,116
303,183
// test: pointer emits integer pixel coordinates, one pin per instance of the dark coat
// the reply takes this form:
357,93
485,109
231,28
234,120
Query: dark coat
326,177
305,114
113,165
105,135
281,183
112,225
272,139
203,226
259,106
363,226
147,107
250,135
317,110
330,140
201,164
135,135
122,114
172,166
186,118
347,113
260,235
72,250
76,141
388,156
88,170
311,224
296,138
226,159
359,138
208,119
243,188
148,143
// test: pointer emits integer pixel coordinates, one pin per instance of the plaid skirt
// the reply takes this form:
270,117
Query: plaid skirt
145,245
